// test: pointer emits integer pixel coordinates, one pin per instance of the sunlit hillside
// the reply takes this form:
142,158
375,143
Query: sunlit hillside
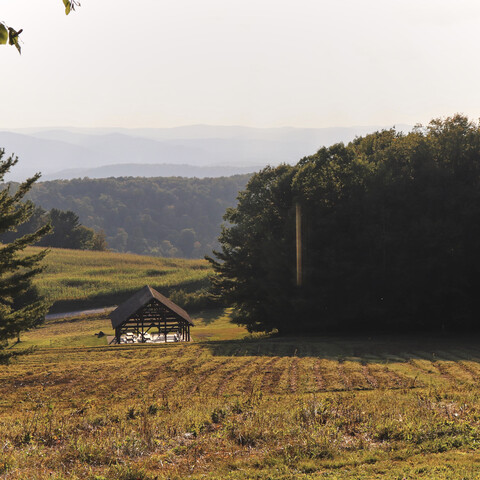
85,279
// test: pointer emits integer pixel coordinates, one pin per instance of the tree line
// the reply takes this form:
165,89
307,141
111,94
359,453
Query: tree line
165,216
391,224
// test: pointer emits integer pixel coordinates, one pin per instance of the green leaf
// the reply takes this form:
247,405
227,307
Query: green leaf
14,38
3,34
68,6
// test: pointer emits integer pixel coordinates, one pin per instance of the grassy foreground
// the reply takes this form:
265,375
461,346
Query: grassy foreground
76,279
248,408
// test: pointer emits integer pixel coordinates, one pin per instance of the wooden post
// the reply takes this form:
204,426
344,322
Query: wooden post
298,224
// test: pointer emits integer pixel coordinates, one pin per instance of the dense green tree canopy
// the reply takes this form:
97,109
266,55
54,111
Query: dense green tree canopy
20,305
163,216
391,225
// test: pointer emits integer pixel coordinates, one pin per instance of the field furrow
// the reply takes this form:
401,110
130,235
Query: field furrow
343,375
453,372
425,367
318,376
330,372
367,373
272,373
293,374
252,375
459,368
356,375
473,368
228,381
434,364
206,376
388,378
305,376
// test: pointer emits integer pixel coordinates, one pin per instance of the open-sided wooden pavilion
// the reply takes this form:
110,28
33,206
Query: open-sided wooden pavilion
148,309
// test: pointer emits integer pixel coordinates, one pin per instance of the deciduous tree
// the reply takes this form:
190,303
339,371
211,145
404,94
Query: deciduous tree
392,223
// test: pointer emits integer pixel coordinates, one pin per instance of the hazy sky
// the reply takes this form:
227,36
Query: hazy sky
266,63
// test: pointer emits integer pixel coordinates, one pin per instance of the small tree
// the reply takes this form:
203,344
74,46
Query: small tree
20,309
68,232
99,242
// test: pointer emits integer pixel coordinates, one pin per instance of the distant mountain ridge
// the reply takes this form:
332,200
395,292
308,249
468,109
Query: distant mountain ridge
150,170
57,152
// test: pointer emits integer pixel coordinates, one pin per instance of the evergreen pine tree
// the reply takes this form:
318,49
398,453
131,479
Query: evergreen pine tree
20,309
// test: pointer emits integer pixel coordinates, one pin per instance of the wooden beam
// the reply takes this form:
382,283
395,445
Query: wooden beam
298,225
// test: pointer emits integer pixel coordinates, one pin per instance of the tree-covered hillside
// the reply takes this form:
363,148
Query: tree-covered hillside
391,225
170,217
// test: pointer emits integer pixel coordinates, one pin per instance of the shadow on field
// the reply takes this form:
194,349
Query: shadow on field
376,349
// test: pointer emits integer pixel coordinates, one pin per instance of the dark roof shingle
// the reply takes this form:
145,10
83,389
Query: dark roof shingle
139,300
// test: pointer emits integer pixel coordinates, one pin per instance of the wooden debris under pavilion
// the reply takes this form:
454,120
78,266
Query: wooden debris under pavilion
149,310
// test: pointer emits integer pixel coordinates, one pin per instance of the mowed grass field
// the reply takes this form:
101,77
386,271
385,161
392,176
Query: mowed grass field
232,406
77,279
228,405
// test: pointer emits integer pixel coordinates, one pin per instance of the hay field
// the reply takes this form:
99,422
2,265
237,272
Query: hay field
76,279
244,408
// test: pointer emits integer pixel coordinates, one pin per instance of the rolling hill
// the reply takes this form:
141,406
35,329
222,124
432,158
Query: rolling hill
55,152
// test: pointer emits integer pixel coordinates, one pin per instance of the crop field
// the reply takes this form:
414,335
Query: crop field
75,279
244,408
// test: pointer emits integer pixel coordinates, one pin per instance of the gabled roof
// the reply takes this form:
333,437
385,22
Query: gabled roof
139,300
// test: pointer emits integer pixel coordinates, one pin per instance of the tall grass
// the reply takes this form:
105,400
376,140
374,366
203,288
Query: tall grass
78,279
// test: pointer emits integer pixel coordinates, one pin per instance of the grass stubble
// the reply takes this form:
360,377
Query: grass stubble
228,405
249,408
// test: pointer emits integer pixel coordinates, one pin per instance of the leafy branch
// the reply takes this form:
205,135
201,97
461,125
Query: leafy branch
9,36
70,5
